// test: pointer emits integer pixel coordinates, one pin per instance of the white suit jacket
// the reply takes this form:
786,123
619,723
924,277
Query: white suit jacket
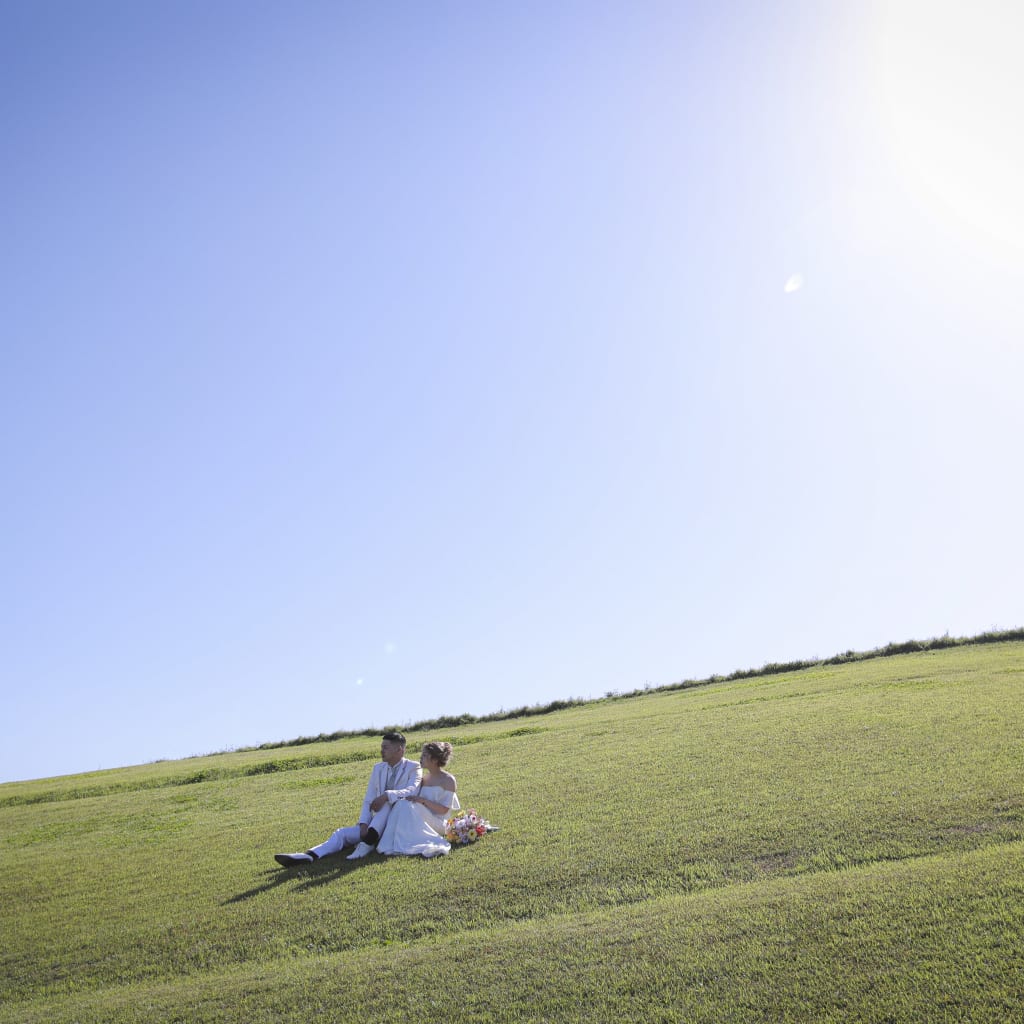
407,781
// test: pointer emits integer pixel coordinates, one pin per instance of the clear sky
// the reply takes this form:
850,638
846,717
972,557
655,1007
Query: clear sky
368,362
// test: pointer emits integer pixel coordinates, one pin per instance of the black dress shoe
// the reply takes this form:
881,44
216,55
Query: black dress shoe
291,860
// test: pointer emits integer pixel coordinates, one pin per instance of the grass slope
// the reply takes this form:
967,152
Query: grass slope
844,842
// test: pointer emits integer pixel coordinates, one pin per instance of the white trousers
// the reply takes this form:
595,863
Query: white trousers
350,835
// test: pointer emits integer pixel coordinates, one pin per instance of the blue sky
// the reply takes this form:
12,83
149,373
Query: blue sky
364,363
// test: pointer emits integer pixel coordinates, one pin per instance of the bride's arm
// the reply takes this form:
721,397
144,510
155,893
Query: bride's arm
431,805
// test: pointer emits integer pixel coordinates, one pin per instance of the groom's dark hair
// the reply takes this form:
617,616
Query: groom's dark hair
394,737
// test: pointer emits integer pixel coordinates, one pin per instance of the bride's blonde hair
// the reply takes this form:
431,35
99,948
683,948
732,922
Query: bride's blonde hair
439,752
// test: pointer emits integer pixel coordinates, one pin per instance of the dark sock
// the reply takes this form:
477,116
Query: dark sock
315,856
372,837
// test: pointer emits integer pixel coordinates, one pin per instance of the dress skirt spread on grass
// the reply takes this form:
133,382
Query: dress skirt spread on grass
413,829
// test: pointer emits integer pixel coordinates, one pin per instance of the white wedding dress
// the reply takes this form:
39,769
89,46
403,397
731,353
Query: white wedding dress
413,829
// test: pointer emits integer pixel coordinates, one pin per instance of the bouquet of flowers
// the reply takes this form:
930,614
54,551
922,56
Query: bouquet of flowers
466,828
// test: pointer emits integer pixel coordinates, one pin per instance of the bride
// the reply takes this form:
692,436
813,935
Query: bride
416,823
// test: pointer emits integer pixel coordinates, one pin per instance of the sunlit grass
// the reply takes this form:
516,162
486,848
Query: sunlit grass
830,843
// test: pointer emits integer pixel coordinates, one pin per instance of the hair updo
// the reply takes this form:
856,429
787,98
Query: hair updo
439,752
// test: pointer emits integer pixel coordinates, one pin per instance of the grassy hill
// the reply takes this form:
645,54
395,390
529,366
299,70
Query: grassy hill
839,843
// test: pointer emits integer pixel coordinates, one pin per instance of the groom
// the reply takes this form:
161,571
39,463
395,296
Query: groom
392,778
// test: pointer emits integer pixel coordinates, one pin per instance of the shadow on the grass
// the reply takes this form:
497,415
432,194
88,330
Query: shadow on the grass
311,875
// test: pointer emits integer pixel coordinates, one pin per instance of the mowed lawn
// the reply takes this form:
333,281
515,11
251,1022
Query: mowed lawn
842,843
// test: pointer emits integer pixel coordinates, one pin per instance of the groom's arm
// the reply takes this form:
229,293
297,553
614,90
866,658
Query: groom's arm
409,789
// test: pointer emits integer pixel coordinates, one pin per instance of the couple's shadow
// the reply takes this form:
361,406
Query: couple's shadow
308,876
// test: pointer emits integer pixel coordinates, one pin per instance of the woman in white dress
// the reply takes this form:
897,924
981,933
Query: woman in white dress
416,824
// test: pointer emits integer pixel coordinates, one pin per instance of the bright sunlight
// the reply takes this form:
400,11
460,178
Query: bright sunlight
952,85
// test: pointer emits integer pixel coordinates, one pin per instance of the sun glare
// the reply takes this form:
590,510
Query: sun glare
953,87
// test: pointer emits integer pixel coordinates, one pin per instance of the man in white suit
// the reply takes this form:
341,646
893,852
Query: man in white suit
393,778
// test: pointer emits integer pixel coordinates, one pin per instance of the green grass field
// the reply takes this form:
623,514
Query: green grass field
841,843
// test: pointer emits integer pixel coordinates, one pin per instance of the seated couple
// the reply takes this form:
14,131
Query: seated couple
404,810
